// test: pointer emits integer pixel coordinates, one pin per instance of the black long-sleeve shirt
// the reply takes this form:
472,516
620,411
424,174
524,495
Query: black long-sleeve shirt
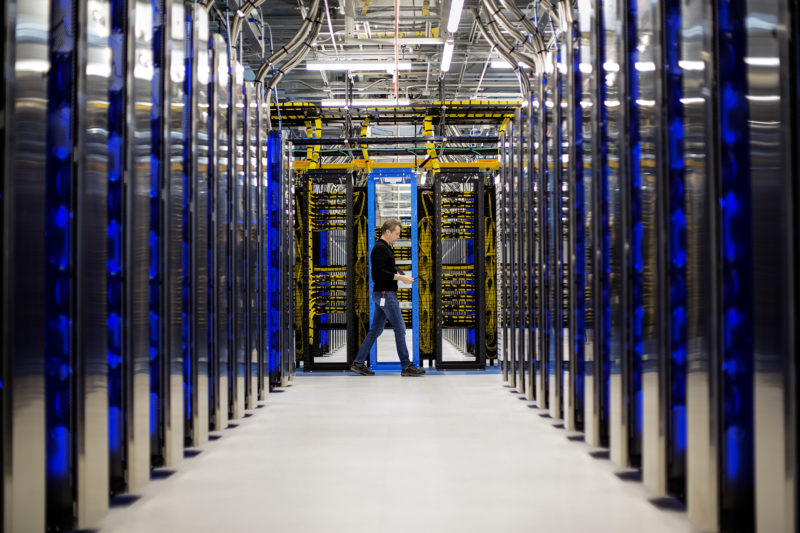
383,267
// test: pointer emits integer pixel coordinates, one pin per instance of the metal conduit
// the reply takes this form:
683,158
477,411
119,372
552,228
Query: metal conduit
289,65
314,17
524,82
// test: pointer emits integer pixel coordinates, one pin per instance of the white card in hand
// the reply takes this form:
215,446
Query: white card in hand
382,302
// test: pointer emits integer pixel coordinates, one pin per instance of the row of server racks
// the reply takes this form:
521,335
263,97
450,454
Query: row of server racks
455,288
146,240
648,255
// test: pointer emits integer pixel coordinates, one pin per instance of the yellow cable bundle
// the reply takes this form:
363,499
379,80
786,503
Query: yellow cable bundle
431,149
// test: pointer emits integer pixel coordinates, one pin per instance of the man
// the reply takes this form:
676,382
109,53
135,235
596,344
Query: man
385,276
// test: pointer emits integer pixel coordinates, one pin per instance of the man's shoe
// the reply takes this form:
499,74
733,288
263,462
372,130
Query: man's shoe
362,368
412,370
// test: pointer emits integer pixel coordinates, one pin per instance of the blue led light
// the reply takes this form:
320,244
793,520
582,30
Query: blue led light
737,286
677,234
636,237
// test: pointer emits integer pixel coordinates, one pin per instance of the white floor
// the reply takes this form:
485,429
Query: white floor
387,350
441,453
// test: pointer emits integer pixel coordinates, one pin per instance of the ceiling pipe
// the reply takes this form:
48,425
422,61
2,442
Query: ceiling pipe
535,61
533,43
314,17
524,82
284,69
241,15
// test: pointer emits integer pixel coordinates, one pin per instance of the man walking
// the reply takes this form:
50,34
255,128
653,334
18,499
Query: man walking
385,276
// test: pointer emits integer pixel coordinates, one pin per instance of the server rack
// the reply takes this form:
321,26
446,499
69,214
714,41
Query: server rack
195,230
279,252
219,189
459,300
289,310
252,193
167,383
426,283
237,238
329,306
130,181
24,186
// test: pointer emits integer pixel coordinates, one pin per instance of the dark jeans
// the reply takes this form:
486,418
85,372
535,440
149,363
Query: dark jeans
390,310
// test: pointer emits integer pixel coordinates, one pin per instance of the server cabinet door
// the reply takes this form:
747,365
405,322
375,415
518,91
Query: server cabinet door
137,179
220,279
24,159
252,224
702,295
170,430
91,366
774,160
236,129
196,232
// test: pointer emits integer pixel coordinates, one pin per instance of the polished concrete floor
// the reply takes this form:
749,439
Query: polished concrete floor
452,452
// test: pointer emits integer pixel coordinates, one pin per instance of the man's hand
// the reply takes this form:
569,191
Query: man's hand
408,280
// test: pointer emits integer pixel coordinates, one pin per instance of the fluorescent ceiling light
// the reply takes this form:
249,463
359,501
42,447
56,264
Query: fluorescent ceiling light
456,6
500,63
368,102
385,66
447,54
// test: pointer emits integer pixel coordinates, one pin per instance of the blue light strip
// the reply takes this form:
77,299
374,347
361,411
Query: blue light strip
636,257
156,129
274,245
58,267
580,238
116,254
737,465
677,237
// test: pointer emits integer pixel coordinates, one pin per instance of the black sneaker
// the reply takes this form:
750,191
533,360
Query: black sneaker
362,368
412,370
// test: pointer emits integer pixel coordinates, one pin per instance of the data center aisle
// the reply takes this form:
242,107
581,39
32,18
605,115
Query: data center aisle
445,452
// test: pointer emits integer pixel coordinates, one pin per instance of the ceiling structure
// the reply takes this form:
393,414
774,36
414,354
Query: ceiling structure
406,33
364,30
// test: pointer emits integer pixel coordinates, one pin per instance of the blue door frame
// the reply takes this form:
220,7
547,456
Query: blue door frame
396,175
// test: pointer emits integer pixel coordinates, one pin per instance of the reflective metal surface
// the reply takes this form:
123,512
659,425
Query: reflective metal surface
772,83
136,354
172,238
238,293
197,169
252,224
653,250
25,108
91,432
219,185
702,386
